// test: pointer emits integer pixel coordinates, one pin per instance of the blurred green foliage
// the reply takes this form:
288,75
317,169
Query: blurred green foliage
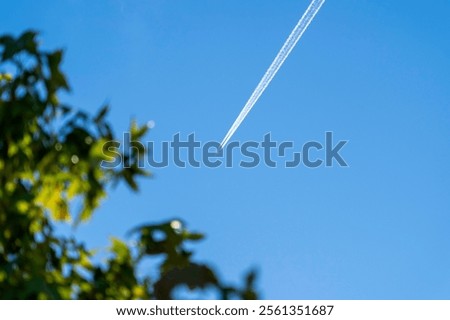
50,157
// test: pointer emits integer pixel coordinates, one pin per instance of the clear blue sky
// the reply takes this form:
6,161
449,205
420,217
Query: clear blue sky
376,73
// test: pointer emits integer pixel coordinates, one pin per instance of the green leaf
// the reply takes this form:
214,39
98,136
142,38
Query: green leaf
194,276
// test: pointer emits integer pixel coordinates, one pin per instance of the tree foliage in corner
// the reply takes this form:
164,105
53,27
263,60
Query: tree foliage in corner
50,172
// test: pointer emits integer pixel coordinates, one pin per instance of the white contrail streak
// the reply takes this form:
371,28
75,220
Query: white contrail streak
287,48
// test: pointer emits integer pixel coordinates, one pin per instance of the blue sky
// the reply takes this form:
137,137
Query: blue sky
375,73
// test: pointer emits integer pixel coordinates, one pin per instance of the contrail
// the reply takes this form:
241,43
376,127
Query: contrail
287,48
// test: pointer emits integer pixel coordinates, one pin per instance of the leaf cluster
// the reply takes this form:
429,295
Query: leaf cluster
50,156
